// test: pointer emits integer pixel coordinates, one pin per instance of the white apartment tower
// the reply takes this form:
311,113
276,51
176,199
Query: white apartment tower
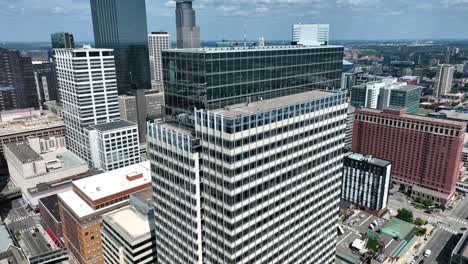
255,183
88,87
311,34
157,42
444,79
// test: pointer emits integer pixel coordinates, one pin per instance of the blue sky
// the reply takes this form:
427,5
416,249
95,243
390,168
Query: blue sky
34,20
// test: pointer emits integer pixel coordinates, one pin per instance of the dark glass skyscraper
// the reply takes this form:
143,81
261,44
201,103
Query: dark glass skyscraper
188,34
17,71
211,78
46,81
121,25
62,40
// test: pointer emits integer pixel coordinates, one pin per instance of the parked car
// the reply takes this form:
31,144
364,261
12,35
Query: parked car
427,253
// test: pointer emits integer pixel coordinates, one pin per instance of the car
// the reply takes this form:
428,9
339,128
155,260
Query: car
463,228
428,212
413,261
36,230
48,245
427,253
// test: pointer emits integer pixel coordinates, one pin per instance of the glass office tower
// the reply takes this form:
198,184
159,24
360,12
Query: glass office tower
62,40
121,25
211,78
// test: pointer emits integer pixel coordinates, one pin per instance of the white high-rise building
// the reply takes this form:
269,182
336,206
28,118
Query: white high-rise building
444,80
255,183
157,42
311,34
88,86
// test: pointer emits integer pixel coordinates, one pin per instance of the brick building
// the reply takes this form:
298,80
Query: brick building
425,152
81,208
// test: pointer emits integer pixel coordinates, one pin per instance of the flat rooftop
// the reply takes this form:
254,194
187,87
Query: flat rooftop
112,182
29,124
178,127
461,248
247,49
129,223
369,159
23,152
455,115
113,125
252,108
50,202
412,117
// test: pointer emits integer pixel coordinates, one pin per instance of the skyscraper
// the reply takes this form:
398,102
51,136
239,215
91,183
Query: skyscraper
62,40
311,34
253,183
188,34
88,86
121,25
444,79
46,81
16,71
157,41
220,77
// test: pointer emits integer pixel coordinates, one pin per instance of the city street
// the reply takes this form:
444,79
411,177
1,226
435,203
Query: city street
23,225
449,225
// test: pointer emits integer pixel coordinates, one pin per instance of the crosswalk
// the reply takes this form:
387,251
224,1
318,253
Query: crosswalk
20,218
448,230
25,230
432,220
457,220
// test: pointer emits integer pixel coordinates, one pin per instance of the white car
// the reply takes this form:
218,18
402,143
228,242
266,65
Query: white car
427,253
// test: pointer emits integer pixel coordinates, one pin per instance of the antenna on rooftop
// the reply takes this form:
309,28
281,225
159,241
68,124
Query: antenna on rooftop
245,35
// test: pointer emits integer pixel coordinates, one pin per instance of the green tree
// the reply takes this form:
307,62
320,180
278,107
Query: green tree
405,215
419,221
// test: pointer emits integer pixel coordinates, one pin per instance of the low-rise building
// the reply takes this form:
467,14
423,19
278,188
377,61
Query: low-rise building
366,182
38,161
128,234
81,208
19,125
49,211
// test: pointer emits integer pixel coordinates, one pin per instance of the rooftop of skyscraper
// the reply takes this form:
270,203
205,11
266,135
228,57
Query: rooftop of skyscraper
251,108
251,48
129,223
369,159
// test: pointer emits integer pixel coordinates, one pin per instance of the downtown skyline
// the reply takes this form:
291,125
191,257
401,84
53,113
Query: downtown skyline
30,20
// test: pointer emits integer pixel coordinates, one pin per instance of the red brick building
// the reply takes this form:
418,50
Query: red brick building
425,152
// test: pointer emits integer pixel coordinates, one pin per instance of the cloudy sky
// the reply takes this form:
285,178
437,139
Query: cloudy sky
34,20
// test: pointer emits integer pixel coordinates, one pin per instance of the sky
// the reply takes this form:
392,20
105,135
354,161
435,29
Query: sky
34,20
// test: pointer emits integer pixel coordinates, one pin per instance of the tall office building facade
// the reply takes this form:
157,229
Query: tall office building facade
46,81
425,152
311,34
16,71
254,183
62,40
366,182
188,34
121,25
88,86
444,79
157,42
225,76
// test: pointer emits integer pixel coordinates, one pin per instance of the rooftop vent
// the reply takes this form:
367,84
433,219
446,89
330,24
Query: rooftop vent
134,176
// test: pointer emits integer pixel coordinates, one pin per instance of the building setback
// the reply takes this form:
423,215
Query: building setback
226,76
253,183
311,34
16,71
366,182
425,152
81,208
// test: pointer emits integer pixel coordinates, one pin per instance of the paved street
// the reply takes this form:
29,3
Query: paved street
447,232
21,223
441,244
